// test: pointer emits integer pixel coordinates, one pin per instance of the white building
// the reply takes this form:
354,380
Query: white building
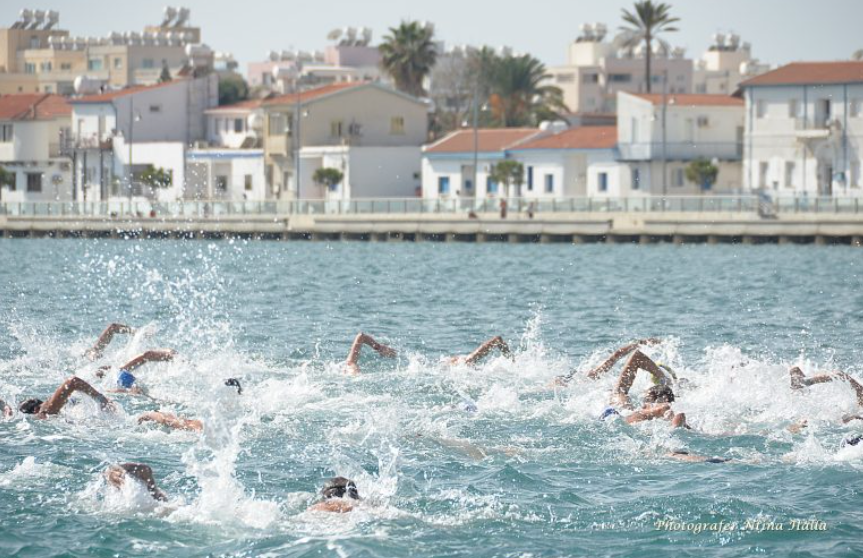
804,129
229,164
695,127
31,126
118,135
369,132
597,69
727,62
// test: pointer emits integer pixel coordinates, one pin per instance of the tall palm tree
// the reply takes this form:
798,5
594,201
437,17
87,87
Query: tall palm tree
646,23
517,96
408,54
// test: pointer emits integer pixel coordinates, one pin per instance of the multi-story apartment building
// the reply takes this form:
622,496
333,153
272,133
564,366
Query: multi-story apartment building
597,69
804,129
660,135
31,127
36,56
118,135
726,63
371,133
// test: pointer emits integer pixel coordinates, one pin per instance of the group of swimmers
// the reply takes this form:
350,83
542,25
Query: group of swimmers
340,494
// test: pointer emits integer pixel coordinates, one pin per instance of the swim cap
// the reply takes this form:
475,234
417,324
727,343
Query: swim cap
233,382
339,487
125,379
31,406
852,441
608,412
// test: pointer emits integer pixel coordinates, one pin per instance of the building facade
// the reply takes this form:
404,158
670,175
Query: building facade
804,129
31,130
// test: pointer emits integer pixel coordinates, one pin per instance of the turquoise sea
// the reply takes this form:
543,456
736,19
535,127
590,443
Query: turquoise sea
531,473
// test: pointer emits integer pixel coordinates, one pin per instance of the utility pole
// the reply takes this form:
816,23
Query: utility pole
475,137
664,135
296,134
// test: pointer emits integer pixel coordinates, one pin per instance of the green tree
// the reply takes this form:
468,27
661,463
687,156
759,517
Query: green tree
7,178
517,96
702,172
329,177
508,173
166,73
157,177
408,55
232,89
645,24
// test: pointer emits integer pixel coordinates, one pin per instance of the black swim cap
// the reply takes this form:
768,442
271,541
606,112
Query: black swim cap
31,406
659,394
339,487
853,441
233,382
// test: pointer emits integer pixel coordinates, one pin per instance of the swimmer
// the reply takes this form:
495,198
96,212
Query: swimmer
657,399
339,496
233,382
171,421
125,380
116,476
609,363
482,351
361,339
7,410
55,403
692,458
799,381
104,340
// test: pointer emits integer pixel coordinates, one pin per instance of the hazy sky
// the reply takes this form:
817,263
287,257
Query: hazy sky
780,30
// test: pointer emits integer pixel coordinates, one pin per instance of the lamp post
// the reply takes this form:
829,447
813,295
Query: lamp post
664,135
133,117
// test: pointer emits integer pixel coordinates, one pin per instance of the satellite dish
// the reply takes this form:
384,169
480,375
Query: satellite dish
334,35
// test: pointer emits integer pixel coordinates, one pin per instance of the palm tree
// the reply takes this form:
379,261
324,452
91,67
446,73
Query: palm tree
517,96
646,23
408,54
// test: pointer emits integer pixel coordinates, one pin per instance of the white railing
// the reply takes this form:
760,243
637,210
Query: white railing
219,209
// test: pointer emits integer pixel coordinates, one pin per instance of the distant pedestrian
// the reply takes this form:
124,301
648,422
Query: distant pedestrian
502,208
531,207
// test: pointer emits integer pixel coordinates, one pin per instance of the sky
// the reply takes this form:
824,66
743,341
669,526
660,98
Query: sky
780,31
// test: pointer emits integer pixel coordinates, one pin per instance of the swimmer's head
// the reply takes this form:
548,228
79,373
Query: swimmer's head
852,441
659,394
125,379
233,382
31,406
340,487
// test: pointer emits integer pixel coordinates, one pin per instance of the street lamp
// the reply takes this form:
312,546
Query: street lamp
134,116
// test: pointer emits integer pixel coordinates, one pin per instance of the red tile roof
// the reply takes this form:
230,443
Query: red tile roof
311,94
583,137
250,104
489,139
108,96
691,100
33,106
799,73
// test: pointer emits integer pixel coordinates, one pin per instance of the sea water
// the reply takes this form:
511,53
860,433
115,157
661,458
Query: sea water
529,472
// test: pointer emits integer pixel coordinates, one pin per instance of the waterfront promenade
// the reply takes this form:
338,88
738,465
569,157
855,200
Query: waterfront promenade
697,219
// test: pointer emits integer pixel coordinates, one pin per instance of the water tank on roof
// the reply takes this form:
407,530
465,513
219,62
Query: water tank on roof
255,122
553,126
85,85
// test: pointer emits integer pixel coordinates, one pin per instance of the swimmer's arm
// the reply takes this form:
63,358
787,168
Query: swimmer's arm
105,339
171,421
61,396
354,354
142,472
157,355
486,348
855,385
333,506
619,354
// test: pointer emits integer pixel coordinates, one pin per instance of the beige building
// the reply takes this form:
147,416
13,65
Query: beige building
369,132
38,57
726,63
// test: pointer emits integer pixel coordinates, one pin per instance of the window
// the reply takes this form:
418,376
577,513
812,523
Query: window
792,108
679,177
619,78
490,185
565,78
636,178
238,125
66,66
789,174
855,107
591,78
221,183
760,108
762,174
94,64
602,180
35,42
155,108
45,67
147,63
397,125
701,88
29,68
336,129
118,63
34,181
247,182
277,124
530,179
549,184
855,174
9,180
5,133
443,185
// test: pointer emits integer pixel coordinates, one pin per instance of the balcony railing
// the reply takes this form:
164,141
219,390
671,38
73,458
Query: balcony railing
518,208
681,151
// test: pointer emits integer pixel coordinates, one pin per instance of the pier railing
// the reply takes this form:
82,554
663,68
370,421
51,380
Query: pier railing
200,209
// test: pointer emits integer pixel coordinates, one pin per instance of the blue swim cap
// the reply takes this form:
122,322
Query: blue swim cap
125,379
608,412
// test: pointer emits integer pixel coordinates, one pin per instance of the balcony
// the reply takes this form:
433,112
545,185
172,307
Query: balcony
92,142
816,128
681,151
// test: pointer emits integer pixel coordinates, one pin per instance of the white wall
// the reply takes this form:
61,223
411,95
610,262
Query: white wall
204,165
220,128
166,155
383,172
438,165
